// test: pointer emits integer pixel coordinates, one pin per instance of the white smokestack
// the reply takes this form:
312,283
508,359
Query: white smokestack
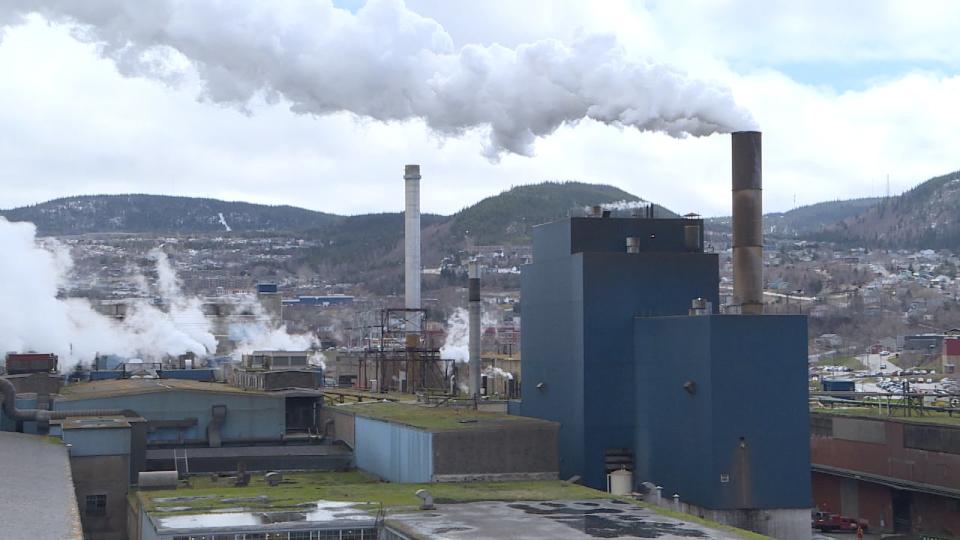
388,63
475,306
411,237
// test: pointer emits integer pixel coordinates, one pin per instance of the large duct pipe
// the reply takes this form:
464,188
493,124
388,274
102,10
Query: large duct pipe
475,316
411,235
747,222
44,416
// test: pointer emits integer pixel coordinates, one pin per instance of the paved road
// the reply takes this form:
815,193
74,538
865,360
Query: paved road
873,362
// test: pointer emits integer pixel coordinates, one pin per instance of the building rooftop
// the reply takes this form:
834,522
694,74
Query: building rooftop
571,520
37,499
432,418
928,417
529,506
124,387
204,494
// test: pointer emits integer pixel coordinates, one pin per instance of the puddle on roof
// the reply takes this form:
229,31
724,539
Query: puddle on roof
608,522
324,511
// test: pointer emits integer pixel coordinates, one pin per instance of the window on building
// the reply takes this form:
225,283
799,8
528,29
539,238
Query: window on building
96,505
300,535
327,535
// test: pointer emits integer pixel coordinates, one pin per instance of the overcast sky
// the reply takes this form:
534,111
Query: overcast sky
846,93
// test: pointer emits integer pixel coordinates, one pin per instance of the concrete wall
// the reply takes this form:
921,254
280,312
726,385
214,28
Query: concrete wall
503,452
249,416
102,475
739,439
343,425
393,452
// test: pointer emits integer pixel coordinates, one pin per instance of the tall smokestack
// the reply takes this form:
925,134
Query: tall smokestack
747,222
474,301
411,235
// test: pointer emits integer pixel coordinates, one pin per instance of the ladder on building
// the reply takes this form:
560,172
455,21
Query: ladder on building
185,470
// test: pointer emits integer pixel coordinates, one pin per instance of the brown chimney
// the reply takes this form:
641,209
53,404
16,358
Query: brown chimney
747,222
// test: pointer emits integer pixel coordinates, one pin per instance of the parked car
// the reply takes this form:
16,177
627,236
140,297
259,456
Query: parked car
828,521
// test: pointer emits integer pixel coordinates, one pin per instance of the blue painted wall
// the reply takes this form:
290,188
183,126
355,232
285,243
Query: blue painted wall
97,442
619,287
393,452
741,440
248,415
202,374
579,299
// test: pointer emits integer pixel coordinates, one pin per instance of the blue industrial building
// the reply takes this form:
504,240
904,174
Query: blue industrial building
319,300
710,407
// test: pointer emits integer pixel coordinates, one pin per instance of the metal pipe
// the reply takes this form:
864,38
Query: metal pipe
475,315
44,416
411,217
747,222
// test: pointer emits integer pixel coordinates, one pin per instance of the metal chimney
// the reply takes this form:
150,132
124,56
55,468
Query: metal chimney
747,222
411,235
475,315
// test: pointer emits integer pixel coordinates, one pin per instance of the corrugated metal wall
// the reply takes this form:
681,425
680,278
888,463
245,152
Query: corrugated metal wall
249,416
394,452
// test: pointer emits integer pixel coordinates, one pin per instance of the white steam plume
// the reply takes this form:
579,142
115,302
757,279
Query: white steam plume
38,320
71,328
456,346
388,63
625,205
495,371
261,336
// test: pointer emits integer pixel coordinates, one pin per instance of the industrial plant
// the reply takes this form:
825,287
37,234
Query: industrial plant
635,381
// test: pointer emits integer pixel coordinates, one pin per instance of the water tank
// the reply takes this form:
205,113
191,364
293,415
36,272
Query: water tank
157,480
620,482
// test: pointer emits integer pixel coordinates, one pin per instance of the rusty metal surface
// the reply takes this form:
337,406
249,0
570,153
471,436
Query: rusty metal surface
747,223
892,458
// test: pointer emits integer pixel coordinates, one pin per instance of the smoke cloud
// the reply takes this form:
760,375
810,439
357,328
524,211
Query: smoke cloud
390,64
39,320
456,345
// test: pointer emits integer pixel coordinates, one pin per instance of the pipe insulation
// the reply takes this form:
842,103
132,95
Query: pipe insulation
44,416
475,317
747,222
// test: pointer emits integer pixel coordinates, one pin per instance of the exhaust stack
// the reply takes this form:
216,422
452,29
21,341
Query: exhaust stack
411,235
475,315
747,222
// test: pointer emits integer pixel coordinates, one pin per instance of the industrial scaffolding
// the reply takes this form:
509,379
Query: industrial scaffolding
398,357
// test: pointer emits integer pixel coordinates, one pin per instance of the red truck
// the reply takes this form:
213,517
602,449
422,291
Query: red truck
827,521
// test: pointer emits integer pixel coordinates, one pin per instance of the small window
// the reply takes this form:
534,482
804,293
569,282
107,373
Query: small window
300,535
96,505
